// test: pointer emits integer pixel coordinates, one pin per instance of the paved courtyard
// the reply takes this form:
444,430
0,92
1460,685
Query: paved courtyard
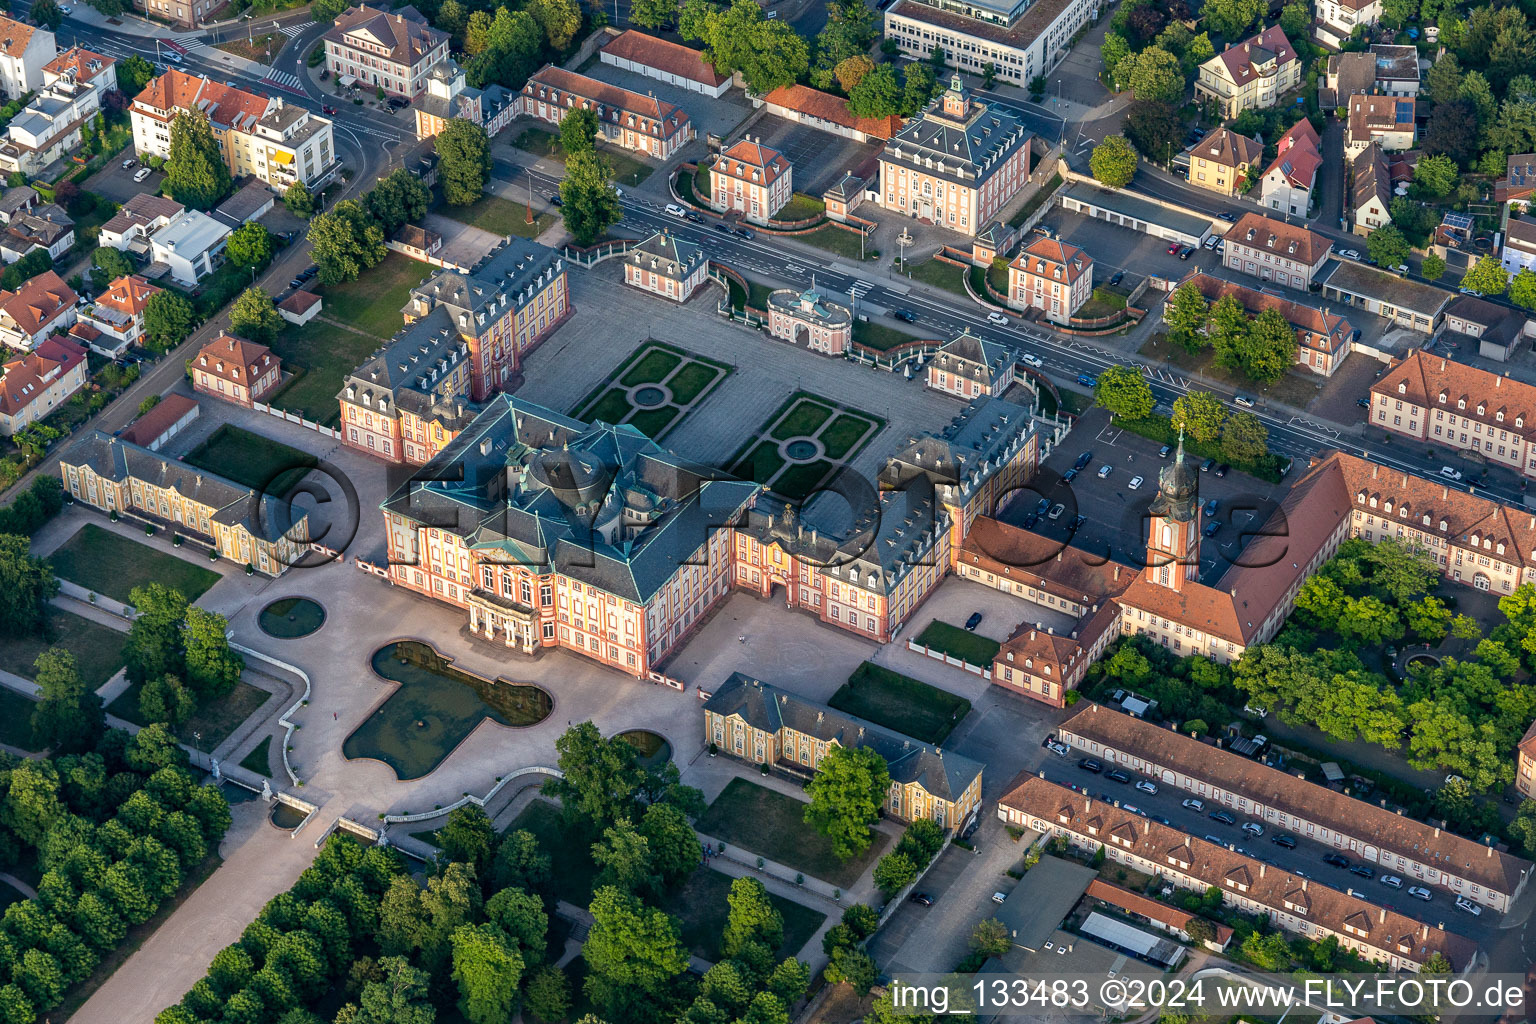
709,116
463,244
819,158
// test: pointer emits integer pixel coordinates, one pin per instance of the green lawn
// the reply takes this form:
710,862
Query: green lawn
802,420
843,433
1103,302
1296,388
802,414
907,705
701,907
259,759
879,336
97,648
499,216
801,207
111,564
209,725
959,643
939,274
571,867
689,377
835,240
373,302
771,824
16,719
258,462
321,355
652,367
626,169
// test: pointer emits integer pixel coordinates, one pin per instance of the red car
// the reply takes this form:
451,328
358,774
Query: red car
1173,250
327,110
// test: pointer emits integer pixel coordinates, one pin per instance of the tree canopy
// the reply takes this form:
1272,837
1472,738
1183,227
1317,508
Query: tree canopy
1113,161
195,173
847,793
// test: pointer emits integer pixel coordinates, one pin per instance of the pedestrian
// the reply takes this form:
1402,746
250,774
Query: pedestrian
335,716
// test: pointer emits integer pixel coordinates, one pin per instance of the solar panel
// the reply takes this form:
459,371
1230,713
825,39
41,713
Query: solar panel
1458,220
1404,113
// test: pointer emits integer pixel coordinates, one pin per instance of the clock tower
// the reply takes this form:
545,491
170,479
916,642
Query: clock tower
1173,538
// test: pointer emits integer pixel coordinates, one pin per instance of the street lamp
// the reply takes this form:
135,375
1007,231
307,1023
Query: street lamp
249,39
902,241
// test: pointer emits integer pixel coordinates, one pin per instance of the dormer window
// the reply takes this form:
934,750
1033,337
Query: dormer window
1442,398
1481,408
1499,416
1444,526
1461,403
1402,387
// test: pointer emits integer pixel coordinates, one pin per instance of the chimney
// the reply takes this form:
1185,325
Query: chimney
1383,917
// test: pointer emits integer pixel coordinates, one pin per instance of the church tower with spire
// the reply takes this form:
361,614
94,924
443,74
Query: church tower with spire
1173,538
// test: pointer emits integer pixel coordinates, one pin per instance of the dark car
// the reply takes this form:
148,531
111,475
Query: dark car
1224,215
1212,528
1042,506
1362,871
1211,507
1030,520
1117,278
1116,775
1336,860
1364,403
724,229
308,272
906,316
324,109
1077,522
1086,381
1282,839
1162,820
1083,460
297,282
746,233
1185,251
1223,817
1207,465
555,200
1165,451
974,621
1223,469
921,898
1088,764
398,102
694,217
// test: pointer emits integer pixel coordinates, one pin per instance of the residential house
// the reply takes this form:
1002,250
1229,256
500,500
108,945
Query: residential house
1020,39
1384,120
118,313
968,366
627,119
40,307
1525,764
666,265
1519,251
299,308
393,50
1322,336
1220,162
828,113
759,723
1370,194
448,96
141,216
751,179
1252,74
282,144
1288,181
38,382
1272,250
1050,275
50,127
417,242
1384,68
1519,182
16,199
1337,20
957,163
665,61
45,227
241,524
236,370
24,51
190,247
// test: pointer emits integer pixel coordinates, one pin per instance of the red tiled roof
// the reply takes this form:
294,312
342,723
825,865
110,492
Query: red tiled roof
224,105
613,97
23,380
1150,909
37,301
1371,114
128,295
1527,743
1297,156
158,420
827,107
235,359
1315,329
84,63
1238,59
14,36
1490,398
1278,236
746,156
1042,256
664,55
299,302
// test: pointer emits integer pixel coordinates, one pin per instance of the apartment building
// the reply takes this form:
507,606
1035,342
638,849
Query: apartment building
38,382
968,366
393,50
1050,275
1336,20
1388,121
1519,250
242,525
627,119
751,179
1525,764
1252,74
49,127
42,306
1020,39
1322,336
1289,179
762,724
24,51
957,163
1293,903
668,266
118,312
448,96
236,370
1273,250
1420,853
281,144
1220,161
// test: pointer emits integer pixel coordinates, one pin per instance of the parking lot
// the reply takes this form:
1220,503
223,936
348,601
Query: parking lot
819,158
118,185
1115,512
1306,859
1115,248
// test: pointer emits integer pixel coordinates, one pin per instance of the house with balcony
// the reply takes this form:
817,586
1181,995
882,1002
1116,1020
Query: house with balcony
118,314
43,227
394,50
189,248
42,306
1253,74
39,382
1336,20
1289,179
1387,121
24,50
141,216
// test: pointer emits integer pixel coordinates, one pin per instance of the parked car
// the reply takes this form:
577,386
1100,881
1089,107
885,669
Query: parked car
1253,828
1450,473
130,162
1475,909
673,210
1088,764
555,200
1116,775
1228,217
398,102
1029,359
1418,892
1349,254
974,621
1105,470
326,109
1069,476
1030,520
1056,511
1146,787
1135,483
66,9
1207,465
693,217
1284,839
997,319
1083,460
906,316
1184,251
746,233
724,229
1223,469
1077,522
1059,748
1246,401
1173,249
922,899
141,174
999,897
1087,381
1117,277
1192,804
1336,860
1211,507
1212,528
1391,881
1165,451
1163,819
1223,817
1042,506
1364,403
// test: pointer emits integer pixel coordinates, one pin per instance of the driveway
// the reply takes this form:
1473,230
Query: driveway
463,244
118,184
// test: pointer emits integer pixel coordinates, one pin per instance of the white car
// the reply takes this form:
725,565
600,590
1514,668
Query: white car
1193,805
1474,909
1104,471
1253,828
1059,748
1146,787
1135,483
171,55
1391,881
1349,254
1418,892
675,210
66,9
1031,360
998,319
141,174
1450,473
1056,511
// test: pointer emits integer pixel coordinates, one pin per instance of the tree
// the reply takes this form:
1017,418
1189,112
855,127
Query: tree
1244,438
631,945
168,319
47,14
1263,352
578,131
195,173
877,95
327,10
1370,619
1153,127
673,845
1387,247
487,971
32,807
520,863
547,994
468,836
854,967
990,938
464,166
250,246
625,857
847,793
1295,19
894,873
752,918
769,54
521,919
1433,269
850,71
590,205
1231,18
166,699
848,33
918,88
298,200
477,32
1487,277
1395,14
1124,392
1113,161
400,998
1523,828
1153,74
26,586
1436,175
1200,414
110,263
1112,51
253,316
602,778
560,20
133,75
1447,132
653,13
345,242
1186,313
397,199
1522,289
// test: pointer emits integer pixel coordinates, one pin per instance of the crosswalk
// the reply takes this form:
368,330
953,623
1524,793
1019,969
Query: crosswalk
283,80
860,289
292,30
